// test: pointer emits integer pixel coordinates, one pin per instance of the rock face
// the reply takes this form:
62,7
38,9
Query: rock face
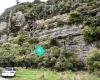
3,35
3,25
19,19
74,39
5,15
72,34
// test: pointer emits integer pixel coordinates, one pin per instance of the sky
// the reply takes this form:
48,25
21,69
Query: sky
8,3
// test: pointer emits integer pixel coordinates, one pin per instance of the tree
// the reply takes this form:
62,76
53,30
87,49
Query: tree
53,1
37,1
93,60
17,1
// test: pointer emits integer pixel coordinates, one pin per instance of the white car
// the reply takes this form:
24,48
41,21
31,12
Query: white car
9,72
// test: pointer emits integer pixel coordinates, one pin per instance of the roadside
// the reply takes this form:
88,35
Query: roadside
35,74
46,74
3,78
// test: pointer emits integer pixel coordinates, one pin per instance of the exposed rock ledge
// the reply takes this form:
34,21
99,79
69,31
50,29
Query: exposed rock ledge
3,35
75,42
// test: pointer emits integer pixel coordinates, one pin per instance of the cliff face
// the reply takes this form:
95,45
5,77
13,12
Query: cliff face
3,34
54,28
74,39
5,15
71,34
67,31
6,20
4,24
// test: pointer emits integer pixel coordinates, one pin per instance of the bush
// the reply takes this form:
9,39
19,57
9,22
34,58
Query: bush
55,51
97,33
46,44
67,61
54,42
52,25
88,33
75,18
97,73
60,66
63,7
91,33
93,60
24,7
45,11
92,21
60,23
34,40
17,51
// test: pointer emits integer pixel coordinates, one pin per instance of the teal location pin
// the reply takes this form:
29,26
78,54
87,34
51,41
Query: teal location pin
39,50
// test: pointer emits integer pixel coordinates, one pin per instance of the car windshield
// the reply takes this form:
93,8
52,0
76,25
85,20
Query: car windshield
8,69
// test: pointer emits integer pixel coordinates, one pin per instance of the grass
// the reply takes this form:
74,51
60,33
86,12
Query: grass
35,74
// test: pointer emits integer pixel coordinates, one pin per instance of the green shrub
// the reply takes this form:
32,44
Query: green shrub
54,42
45,11
0,71
34,40
97,73
97,33
63,7
46,44
64,64
92,21
52,25
91,33
55,51
93,60
16,51
58,66
24,7
88,32
60,23
75,18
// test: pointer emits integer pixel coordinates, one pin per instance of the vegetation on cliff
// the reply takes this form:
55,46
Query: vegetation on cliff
19,49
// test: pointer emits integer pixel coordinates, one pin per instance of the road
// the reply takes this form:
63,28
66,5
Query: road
3,78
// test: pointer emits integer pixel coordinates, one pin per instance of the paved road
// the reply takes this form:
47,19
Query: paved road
3,78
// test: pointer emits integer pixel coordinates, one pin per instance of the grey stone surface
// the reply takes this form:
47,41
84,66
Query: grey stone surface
75,42
19,19
3,25
63,31
3,35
